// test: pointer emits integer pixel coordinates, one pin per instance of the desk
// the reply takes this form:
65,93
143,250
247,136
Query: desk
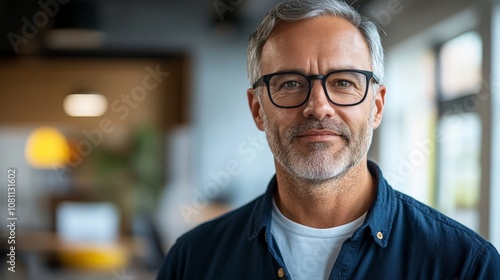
85,261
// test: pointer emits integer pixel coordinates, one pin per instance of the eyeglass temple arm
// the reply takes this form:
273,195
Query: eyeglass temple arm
259,82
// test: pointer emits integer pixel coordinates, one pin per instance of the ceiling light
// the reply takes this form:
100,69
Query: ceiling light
87,104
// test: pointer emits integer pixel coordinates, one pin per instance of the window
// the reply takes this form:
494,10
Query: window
459,128
460,66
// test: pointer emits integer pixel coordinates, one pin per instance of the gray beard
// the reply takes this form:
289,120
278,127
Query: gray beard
318,164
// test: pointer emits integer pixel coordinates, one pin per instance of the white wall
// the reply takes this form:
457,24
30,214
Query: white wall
225,131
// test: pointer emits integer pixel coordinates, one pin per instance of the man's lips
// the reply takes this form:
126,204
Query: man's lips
318,135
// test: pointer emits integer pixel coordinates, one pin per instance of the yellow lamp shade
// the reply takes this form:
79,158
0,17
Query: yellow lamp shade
94,257
47,148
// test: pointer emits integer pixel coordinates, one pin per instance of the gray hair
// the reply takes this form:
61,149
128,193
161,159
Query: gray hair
295,10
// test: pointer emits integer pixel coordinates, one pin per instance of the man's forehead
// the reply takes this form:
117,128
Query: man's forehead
320,36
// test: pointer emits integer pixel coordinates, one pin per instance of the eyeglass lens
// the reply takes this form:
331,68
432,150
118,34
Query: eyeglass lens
343,88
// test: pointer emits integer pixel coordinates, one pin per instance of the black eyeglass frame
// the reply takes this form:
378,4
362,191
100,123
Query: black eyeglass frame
266,78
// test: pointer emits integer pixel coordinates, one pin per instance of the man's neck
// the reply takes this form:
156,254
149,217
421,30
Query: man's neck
327,204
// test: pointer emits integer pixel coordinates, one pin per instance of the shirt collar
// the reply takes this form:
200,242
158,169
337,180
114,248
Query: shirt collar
381,214
261,215
378,220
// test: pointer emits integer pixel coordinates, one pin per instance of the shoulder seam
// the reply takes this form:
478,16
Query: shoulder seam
436,215
481,249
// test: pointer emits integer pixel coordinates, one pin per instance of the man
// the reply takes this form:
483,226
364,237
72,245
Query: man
316,69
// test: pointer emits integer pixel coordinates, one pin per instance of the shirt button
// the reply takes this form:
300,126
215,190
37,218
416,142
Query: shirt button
380,235
281,272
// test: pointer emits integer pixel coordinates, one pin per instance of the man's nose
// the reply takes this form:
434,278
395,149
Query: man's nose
318,105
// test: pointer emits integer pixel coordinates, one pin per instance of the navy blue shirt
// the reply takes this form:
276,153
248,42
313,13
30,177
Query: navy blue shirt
400,238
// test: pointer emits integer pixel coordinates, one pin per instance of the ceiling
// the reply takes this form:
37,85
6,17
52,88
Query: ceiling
35,19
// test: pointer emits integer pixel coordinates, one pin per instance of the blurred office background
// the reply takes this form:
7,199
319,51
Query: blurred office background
127,123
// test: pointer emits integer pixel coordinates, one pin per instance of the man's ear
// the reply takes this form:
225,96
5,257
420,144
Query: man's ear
379,106
255,108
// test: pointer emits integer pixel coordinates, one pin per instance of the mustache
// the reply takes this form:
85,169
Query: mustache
337,127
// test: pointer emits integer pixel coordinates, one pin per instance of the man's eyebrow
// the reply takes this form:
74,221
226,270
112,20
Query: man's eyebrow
301,71
297,70
345,67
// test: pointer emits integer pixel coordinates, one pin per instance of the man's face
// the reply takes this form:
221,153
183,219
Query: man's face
319,140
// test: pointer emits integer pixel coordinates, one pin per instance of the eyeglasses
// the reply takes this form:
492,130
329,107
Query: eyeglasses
292,89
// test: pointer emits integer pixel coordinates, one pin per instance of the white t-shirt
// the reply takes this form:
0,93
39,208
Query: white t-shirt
309,253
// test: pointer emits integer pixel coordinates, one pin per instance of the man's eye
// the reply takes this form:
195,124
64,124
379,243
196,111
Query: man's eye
343,83
291,84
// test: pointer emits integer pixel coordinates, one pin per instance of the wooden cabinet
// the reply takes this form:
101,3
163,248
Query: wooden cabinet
139,90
